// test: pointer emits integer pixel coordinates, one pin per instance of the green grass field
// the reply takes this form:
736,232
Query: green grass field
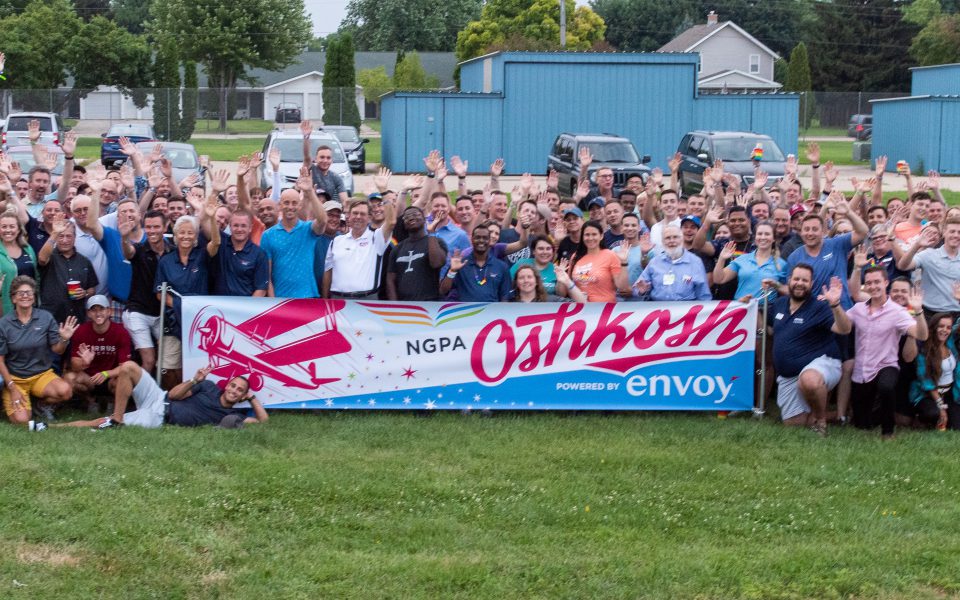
841,153
823,132
349,505
237,126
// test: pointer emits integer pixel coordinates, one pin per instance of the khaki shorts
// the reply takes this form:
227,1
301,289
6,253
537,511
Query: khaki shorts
172,353
28,386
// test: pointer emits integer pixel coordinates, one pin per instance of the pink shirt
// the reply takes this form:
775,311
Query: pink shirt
878,337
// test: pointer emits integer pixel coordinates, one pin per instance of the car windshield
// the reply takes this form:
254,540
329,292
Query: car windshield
130,131
291,150
612,152
20,123
27,162
181,159
741,149
346,135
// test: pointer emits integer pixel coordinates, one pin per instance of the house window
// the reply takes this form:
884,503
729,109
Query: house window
754,63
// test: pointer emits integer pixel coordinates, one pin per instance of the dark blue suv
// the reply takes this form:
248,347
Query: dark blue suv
110,153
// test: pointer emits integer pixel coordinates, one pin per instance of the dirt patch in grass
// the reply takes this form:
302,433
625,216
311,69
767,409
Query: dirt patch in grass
47,555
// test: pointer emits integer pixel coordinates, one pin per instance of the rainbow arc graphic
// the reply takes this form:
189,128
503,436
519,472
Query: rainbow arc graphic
411,314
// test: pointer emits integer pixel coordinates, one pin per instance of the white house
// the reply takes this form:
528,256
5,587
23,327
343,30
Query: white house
731,60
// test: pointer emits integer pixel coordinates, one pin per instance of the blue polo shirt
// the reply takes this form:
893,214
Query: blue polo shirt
292,254
119,269
243,272
750,275
186,279
489,283
801,337
454,237
831,262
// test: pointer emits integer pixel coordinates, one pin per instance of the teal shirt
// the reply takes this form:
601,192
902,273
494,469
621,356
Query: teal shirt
547,274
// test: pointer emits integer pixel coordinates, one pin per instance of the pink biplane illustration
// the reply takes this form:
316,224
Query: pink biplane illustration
243,349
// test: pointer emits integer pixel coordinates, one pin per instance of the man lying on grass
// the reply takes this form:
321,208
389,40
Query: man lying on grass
189,404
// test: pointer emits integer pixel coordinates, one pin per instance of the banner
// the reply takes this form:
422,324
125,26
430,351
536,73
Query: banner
312,353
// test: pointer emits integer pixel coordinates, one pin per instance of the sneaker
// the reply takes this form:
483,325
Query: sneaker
45,411
109,423
37,426
819,428
844,421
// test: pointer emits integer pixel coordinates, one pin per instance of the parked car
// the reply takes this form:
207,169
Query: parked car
15,132
110,153
352,144
609,151
699,150
183,157
860,127
290,144
287,112
24,156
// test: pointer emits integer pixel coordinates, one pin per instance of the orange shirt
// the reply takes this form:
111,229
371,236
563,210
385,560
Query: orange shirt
594,274
907,233
256,231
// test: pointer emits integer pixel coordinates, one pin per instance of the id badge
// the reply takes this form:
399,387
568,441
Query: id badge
669,279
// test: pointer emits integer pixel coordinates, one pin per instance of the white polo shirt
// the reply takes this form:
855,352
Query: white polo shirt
355,262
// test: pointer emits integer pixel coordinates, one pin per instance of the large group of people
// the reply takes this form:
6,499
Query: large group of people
861,294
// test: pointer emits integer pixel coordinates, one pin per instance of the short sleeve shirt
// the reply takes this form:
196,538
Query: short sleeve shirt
201,408
878,337
53,285
594,274
110,348
830,262
939,274
329,183
240,272
415,278
489,283
25,347
355,261
291,254
802,336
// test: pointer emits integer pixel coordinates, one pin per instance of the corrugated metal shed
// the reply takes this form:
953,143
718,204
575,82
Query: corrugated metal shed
943,80
919,129
520,101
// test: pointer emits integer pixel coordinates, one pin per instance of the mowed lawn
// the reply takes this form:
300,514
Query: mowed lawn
351,505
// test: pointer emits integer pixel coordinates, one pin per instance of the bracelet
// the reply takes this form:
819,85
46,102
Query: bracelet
193,381
105,374
63,340
451,274
816,166
67,157
11,384
461,178
835,305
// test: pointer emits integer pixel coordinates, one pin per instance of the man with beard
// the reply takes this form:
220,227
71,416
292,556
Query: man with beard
674,274
415,264
805,352
480,277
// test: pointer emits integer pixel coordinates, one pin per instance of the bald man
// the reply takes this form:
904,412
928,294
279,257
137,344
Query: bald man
290,244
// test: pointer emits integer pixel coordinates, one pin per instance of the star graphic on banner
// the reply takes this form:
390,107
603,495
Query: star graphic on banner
476,397
460,391
406,399
430,405
529,403
328,402
351,375
372,402
408,373
369,357
358,333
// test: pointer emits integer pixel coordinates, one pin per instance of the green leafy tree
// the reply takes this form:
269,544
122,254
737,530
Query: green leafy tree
375,83
857,45
35,43
88,9
939,42
317,44
530,24
166,95
922,12
339,83
800,80
387,25
188,108
103,53
410,75
131,14
228,38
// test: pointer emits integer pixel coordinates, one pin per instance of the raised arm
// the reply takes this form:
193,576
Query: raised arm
69,147
220,178
813,155
93,213
305,130
243,194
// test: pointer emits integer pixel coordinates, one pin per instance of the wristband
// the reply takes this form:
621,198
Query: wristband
835,305
11,384
431,174
816,166
63,340
461,178
451,274
105,374
67,157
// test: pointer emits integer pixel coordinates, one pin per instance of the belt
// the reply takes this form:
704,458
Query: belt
353,294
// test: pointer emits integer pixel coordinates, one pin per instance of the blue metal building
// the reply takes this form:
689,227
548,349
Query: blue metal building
513,105
921,128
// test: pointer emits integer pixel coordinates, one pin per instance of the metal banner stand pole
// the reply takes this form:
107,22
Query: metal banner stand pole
163,310
758,411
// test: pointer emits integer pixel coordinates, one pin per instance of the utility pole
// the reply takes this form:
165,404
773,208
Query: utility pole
563,23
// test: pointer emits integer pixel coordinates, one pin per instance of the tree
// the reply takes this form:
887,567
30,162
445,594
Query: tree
532,24
317,44
375,83
410,75
644,25
800,80
131,14
388,25
858,46
228,38
188,109
939,42
922,12
35,43
88,9
103,53
339,83
166,95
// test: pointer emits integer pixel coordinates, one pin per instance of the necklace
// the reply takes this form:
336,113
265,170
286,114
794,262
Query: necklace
480,276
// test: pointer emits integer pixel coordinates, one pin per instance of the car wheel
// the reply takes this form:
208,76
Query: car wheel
363,168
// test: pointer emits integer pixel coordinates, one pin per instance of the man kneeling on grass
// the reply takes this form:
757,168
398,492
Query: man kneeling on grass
189,404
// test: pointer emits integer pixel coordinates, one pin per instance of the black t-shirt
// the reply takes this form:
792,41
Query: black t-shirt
416,279
202,408
37,236
53,285
566,249
142,298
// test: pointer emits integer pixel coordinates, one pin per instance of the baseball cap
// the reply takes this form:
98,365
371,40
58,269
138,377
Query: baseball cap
598,201
692,218
797,209
98,300
332,205
573,210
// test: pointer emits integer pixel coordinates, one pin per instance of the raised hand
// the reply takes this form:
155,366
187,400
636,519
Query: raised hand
456,261
929,237
202,373
813,153
729,249
715,215
189,181
562,272
526,184
583,188
441,172
156,153
69,143
496,169
832,294
127,147
718,169
33,131
256,160
830,172
881,165
305,180
59,226
657,176
646,244
125,227
860,256
790,166
585,156
432,161
68,327
86,354
553,179
274,158
205,161
243,165
166,168
155,178
840,205
900,215
760,180
127,179
915,299
305,128
459,166
382,179
674,162
933,180
413,182
220,181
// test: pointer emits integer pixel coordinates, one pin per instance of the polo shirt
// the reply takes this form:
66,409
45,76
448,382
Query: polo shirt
88,246
37,236
489,283
680,279
329,183
355,261
142,298
830,262
240,272
202,407
25,347
188,279
750,275
939,273
291,254
35,210
53,284
453,237
878,337
802,336
119,269
320,257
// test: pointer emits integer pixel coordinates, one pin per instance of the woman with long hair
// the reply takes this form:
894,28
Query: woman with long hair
16,255
935,392
595,270
528,285
752,269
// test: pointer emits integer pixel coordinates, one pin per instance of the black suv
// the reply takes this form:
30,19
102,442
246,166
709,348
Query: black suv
860,127
608,150
699,150
353,145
